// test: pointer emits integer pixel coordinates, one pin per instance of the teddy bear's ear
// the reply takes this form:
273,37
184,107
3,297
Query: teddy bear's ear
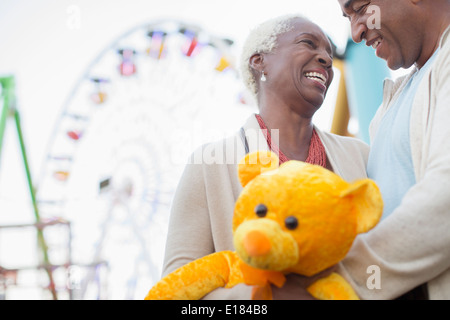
255,163
369,203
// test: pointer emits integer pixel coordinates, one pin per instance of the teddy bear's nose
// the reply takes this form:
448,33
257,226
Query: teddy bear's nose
256,243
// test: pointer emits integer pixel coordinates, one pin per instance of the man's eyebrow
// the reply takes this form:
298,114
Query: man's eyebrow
348,4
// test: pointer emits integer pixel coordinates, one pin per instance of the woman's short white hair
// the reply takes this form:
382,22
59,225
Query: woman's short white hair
263,39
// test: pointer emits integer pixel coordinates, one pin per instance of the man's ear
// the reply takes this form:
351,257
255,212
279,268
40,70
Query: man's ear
255,163
368,201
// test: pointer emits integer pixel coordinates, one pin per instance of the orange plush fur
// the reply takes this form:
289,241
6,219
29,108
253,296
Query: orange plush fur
295,218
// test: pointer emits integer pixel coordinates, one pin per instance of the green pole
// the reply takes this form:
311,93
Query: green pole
8,87
7,84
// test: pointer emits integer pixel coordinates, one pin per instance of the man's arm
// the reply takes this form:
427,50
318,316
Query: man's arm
411,246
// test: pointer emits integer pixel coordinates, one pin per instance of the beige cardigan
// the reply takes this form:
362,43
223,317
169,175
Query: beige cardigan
412,245
203,205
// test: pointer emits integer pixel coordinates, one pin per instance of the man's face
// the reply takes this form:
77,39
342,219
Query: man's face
396,40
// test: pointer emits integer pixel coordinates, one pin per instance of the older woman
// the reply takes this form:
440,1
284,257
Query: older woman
287,64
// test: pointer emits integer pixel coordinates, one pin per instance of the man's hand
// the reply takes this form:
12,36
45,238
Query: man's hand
295,286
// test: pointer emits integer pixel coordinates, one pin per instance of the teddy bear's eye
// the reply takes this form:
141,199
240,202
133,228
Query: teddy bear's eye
261,210
291,223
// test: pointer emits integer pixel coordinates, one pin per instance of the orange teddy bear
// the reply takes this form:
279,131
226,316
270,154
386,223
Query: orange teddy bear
296,217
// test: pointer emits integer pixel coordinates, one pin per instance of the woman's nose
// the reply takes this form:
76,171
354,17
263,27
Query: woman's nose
325,59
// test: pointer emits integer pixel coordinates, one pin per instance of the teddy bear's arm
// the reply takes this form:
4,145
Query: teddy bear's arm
198,278
332,287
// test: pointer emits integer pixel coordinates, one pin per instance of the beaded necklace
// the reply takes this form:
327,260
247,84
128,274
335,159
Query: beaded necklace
316,153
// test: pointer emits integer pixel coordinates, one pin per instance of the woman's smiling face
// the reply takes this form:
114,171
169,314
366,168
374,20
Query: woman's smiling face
300,67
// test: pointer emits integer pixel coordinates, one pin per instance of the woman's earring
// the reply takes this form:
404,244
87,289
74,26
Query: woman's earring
263,77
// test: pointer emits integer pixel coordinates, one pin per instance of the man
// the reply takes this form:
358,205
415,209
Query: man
408,253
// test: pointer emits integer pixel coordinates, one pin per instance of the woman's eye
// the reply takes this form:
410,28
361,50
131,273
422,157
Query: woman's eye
308,42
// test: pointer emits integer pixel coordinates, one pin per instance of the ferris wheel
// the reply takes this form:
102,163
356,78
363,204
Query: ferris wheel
121,142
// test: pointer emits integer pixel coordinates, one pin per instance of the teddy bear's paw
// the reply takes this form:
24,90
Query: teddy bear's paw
332,287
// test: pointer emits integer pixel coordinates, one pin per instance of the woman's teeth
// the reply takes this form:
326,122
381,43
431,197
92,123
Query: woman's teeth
316,77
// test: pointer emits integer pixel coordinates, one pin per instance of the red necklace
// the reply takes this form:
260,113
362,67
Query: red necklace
316,153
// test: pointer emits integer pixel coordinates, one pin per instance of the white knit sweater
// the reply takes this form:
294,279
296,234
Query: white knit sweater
412,245
203,205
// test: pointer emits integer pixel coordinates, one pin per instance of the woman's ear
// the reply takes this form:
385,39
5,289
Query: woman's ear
256,62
